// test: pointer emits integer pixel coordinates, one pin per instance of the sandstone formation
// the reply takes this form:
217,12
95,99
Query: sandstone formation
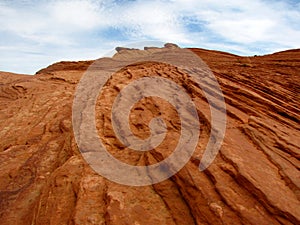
254,179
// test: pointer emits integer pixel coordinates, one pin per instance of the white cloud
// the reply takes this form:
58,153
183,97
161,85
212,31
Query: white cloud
74,15
247,22
244,30
60,30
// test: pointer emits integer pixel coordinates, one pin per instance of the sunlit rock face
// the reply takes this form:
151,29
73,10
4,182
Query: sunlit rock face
254,179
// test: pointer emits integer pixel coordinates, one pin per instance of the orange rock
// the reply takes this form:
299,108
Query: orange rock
254,179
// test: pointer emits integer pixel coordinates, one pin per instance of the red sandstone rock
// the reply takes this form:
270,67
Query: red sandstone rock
254,179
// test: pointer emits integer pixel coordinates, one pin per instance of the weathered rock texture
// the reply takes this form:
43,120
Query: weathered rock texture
254,179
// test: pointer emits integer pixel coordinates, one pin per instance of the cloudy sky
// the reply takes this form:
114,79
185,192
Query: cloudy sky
34,34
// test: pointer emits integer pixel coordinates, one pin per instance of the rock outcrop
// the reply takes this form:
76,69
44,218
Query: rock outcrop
254,179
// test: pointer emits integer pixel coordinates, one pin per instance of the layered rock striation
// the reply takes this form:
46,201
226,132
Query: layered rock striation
254,179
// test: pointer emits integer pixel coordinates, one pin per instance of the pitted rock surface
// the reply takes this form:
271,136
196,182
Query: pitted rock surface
254,179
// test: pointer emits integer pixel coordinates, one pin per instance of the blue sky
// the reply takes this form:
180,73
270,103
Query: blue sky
34,34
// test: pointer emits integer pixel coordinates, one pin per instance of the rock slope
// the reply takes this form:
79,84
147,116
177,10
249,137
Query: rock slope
254,179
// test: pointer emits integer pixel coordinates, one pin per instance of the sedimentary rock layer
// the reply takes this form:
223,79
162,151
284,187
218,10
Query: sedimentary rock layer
254,179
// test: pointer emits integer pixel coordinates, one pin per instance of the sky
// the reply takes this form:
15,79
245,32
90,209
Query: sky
37,33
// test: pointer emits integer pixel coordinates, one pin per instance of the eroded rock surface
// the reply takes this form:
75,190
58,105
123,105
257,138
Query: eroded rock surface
254,179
